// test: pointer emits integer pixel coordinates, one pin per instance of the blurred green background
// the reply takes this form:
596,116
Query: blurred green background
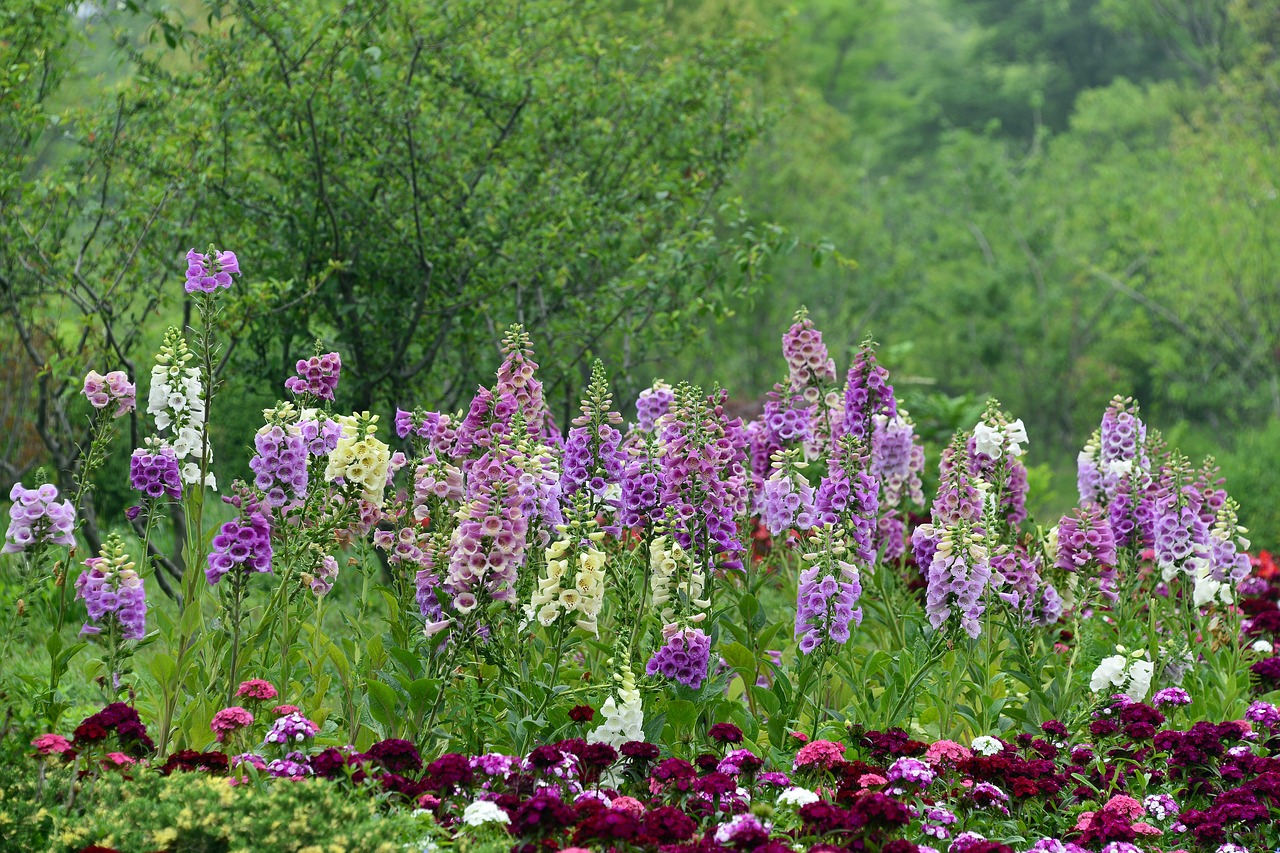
1048,201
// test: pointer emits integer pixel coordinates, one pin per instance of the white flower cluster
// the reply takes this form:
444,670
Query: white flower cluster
997,439
176,401
360,458
797,797
666,560
1131,673
481,812
987,745
574,579
623,716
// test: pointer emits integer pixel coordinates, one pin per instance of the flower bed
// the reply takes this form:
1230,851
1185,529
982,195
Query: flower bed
683,633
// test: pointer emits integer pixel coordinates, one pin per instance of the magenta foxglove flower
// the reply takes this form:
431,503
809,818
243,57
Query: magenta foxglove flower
206,273
317,376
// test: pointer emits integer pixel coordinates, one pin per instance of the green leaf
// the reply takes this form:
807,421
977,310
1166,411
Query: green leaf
681,713
383,702
766,699
739,656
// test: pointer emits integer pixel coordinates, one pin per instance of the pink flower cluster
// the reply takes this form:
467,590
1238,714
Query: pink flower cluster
206,274
230,720
808,363
115,387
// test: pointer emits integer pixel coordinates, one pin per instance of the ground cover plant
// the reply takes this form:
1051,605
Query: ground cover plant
482,630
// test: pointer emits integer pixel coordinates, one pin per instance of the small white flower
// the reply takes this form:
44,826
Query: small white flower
797,797
482,812
1262,646
987,745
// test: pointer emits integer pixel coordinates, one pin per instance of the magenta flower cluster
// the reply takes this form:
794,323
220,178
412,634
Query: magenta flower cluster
206,273
317,376
37,516
320,437
155,473
101,391
684,657
593,458
243,543
786,502
1180,533
1085,538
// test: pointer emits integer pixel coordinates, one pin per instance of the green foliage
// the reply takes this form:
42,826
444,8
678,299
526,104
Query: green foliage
435,171
196,813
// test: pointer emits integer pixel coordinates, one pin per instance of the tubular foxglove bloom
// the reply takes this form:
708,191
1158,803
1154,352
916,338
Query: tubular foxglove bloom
112,592
640,495
326,573
623,711
435,428
684,656
573,581
101,391
995,453
652,405
317,376
704,486
242,544
1085,539
1114,455
211,271
892,448
809,367
593,457
785,423
1228,548
533,468
359,458
787,499
951,550
176,401
280,464
486,549
36,517
867,394
516,378
678,585
828,592
957,578
155,472
1021,585
1181,541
